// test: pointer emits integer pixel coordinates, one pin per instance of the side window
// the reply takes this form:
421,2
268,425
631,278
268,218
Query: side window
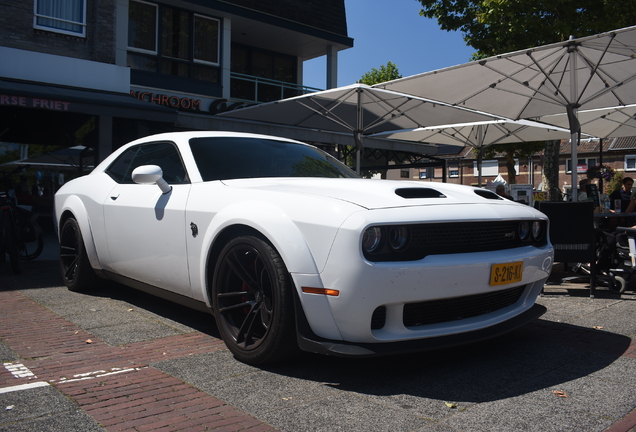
164,154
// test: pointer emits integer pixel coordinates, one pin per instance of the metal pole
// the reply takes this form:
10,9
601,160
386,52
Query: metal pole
600,162
480,147
572,116
358,133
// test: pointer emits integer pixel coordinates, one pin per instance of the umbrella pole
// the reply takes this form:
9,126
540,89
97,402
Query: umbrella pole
572,114
480,155
358,132
600,162
359,146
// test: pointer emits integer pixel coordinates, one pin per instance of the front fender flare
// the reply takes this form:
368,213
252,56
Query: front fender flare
271,222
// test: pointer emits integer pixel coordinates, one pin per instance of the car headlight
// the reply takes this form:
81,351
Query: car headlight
372,239
537,230
524,230
399,237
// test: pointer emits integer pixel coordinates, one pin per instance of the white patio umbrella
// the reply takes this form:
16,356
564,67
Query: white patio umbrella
579,74
602,122
359,109
480,134
72,159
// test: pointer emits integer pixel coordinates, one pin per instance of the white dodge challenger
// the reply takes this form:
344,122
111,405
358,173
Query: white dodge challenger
288,248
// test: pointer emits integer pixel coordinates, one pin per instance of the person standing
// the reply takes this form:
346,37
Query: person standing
501,191
624,194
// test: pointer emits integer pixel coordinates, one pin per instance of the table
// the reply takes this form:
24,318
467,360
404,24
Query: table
609,221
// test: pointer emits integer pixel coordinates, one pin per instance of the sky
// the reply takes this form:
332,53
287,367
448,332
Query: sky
390,30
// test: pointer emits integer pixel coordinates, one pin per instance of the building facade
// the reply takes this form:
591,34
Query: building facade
103,72
461,168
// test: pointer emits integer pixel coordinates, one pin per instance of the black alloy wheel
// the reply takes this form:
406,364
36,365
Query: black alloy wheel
253,301
76,270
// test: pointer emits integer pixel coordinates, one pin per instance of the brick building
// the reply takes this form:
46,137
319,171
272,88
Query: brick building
461,167
103,72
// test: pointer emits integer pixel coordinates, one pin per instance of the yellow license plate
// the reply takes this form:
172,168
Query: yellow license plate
502,274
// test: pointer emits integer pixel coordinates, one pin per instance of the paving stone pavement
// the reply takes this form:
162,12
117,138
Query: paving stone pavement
119,360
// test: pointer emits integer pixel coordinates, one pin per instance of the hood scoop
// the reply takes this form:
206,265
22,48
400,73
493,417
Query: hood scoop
419,193
485,193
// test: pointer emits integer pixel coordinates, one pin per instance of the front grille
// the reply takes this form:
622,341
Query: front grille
453,309
450,238
458,237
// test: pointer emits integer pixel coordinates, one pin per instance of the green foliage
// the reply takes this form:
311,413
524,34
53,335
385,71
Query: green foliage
604,172
498,26
615,183
386,73
9,156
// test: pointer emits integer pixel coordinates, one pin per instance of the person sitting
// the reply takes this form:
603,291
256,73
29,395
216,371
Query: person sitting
624,194
583,196
501,191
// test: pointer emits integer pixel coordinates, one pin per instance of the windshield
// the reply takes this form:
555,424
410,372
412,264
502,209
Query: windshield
226,158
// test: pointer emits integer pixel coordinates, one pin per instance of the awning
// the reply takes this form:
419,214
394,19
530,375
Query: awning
65,99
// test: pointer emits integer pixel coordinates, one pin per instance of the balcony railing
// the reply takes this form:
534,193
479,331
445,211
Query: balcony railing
249,88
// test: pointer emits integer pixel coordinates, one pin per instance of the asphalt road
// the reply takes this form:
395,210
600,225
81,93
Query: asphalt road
116,359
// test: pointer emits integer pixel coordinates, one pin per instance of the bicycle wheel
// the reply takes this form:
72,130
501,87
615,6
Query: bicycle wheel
12,245
31,240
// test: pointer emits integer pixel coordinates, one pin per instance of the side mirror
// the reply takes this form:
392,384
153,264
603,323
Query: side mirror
151,174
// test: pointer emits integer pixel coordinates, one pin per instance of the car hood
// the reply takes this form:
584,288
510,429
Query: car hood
375,194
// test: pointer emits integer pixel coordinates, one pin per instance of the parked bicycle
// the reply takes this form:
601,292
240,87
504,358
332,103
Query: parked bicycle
21,237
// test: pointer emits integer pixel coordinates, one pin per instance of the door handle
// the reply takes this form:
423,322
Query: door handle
114,197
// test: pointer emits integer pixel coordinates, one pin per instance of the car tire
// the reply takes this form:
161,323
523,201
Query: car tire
76,269
253,302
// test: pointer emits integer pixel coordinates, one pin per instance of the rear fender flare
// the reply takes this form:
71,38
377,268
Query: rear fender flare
76,208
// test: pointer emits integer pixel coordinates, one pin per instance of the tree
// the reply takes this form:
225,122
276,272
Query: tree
498,26
386,72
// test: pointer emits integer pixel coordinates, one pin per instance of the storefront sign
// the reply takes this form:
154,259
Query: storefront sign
29,102
168,101
539,196
223,105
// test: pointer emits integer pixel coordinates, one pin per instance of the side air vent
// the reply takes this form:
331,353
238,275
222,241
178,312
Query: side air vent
487,194
419,193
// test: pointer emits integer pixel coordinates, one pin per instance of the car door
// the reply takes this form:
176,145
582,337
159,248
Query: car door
145,228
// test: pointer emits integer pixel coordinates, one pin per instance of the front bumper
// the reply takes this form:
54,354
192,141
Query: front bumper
308,341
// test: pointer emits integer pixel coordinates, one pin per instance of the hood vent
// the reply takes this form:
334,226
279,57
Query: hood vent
485,193
419,193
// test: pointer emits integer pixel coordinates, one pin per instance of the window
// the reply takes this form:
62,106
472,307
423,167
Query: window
581,166
630,162
163,154
217,159
142,27
404,174
263,64
489,168
61,16
188,46
427,173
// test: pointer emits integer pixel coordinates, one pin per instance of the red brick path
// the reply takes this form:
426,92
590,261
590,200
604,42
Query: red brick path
114,385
